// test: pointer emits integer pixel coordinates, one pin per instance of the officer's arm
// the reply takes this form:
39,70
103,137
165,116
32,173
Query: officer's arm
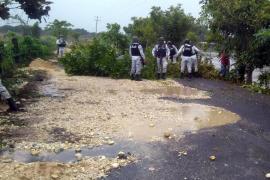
180,50
168,52
141,51
176,50
130,51
196,50
154,51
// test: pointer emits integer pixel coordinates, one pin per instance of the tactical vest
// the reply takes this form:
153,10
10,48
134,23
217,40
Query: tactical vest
187,50
161,51
172,51
62,44
135,49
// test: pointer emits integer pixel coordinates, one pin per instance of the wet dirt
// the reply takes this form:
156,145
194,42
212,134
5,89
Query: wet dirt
176,121
172,91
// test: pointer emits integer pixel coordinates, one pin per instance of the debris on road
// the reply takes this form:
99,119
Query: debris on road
212,158
122,155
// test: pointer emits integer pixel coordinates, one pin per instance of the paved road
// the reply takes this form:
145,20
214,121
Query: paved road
242,149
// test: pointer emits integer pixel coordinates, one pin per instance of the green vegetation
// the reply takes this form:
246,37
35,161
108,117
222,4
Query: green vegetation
28,49
239,26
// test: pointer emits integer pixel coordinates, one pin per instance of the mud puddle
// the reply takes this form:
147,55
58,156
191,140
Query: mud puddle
176,121
173,91
69,156
50,90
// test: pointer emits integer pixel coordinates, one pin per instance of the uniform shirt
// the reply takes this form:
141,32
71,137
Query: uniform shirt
173,50
60,42
140,50
193,51
156,49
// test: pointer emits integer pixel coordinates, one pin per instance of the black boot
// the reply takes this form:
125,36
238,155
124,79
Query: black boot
138,77
12,105
189,75
181,75
132,77
158,76
163,76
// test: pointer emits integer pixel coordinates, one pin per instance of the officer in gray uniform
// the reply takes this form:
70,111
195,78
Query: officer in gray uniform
138,59
173,52
4,94
161,52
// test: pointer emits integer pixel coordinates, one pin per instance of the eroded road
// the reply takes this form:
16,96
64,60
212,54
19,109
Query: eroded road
168,130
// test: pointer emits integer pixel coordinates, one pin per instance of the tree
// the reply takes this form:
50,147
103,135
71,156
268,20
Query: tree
173,24
114,37
36,30
34,9
237,21
75,35
58,28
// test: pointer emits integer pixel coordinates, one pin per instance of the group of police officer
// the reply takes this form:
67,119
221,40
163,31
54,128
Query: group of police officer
164,53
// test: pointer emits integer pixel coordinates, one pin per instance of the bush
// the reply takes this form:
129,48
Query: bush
29,48
95,58
208,71
264,80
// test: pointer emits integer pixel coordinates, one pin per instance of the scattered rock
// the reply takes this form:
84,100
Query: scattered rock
78,150
107,138
167,134
115,165
110,142
267,175
151,169
6,160
101,158
54,176
196,119
34,152
182,153
78,156
122,155
212,158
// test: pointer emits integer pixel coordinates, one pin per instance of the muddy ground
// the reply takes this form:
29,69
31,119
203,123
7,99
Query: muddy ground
75,126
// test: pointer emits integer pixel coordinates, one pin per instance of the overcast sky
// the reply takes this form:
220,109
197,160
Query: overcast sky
82,13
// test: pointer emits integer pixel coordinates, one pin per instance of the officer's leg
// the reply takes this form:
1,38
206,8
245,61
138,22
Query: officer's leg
133,68
7,97
174,59
189,66
183,64
164,68
138,69
158,68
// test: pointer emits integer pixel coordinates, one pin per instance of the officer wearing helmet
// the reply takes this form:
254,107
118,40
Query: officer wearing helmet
4,94
137,58
161,52
187,52
61,45
173,52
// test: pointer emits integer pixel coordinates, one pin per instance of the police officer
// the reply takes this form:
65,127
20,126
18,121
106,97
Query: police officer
137,58
3,91
187,52
173,52
61,45
161,52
